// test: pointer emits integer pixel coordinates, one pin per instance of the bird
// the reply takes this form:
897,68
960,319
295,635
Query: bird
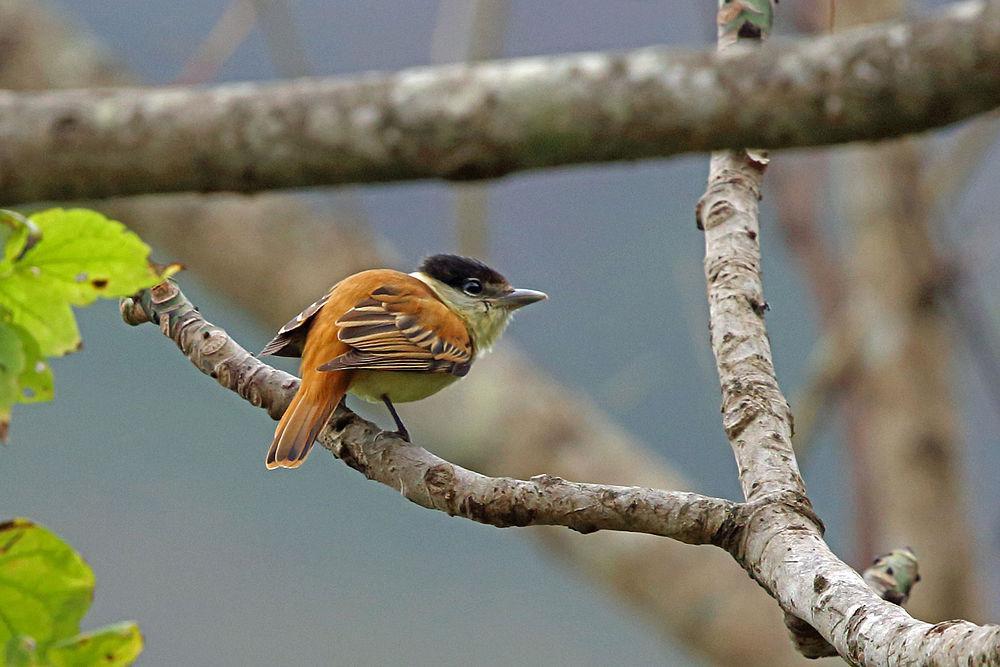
391,337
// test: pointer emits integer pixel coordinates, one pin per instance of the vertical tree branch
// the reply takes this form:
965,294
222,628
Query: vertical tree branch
755,413
756,416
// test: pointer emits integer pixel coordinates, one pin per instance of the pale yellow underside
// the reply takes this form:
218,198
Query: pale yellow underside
399,386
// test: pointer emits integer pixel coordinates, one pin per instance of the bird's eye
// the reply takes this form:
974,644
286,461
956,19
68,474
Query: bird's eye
473,287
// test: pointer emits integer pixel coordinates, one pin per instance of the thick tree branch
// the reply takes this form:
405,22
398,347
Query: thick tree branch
490,119
419,475
783,548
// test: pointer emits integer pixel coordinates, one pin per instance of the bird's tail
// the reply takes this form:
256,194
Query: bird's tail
305,417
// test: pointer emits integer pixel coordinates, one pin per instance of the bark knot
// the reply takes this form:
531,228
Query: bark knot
733,533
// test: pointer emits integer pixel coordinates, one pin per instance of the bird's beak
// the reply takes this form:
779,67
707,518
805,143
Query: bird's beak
519,298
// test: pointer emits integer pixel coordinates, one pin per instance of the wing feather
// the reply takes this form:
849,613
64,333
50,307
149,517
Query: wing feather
394,329
291,338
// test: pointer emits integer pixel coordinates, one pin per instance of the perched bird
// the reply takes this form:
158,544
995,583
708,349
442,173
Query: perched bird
391,337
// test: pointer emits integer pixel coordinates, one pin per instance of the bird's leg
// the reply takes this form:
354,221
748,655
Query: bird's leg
401,432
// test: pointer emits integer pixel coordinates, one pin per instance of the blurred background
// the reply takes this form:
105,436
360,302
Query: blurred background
880,270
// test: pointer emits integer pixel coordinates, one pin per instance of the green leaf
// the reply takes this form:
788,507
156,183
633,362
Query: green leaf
38,304
82,256
25,376
45,586
22,651
35,384
14,230
45,589
89,256
112,645
12,363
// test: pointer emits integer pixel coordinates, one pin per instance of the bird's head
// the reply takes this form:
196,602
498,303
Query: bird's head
477,293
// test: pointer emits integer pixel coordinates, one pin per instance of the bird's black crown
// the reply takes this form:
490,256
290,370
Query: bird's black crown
455,270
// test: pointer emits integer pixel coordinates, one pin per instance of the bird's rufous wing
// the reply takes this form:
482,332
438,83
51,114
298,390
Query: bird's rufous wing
403,329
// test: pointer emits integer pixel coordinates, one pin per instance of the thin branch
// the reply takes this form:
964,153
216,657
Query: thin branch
491,119
282,36
753,407
225,37
420,476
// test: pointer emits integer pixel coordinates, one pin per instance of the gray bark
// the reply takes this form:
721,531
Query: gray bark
491,119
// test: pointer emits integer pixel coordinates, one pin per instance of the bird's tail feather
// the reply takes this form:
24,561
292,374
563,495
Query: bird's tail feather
305,417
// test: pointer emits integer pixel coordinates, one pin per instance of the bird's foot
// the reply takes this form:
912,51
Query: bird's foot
401,431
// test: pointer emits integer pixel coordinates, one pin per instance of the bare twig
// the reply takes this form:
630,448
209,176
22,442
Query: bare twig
228,33
753,407
491,119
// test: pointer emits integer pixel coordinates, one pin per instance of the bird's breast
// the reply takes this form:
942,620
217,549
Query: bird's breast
399,386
